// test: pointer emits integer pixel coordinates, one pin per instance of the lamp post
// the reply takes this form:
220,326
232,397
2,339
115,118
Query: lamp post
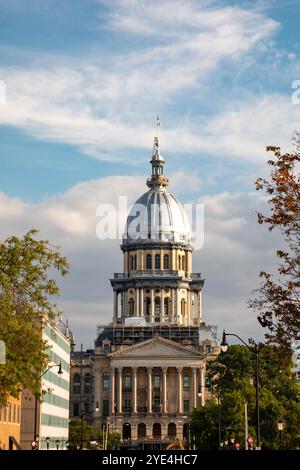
280,427
48,442
255,351
36,400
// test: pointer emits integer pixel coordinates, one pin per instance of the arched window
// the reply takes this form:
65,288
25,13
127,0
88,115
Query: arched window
148,262
157,309
157,261
141,430
87,383
166,261
166,306
156,430
172,430
131,307
148,306
76,383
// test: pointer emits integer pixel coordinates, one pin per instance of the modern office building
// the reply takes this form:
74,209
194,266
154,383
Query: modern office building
49,420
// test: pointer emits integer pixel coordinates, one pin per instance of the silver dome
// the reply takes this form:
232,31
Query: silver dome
157,216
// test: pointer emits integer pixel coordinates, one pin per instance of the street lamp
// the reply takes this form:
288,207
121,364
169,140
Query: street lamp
36,401
280,426
255,351
48,442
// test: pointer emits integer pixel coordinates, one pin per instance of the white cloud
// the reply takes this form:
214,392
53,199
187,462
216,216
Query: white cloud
234,251
103,107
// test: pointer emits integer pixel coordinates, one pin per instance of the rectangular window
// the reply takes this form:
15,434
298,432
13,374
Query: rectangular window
127,406
156,405
4,414
127,381
156,382
186,406
18,410
105,381
75,410
105,408
9,414
186,381
14,417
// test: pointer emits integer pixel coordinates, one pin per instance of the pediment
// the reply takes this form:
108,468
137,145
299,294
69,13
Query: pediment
156,347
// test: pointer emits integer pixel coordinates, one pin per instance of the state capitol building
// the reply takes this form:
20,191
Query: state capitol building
146,372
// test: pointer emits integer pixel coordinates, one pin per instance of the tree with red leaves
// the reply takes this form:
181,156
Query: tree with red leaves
277,299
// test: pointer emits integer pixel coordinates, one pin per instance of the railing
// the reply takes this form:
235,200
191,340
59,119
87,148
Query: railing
127,410
153,273
196,276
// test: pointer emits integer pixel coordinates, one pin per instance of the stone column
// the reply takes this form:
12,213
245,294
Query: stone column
192,307
120,384
179,391
188,307
194,375
171,313
142,303
115,307
122,304
178,314
161,305
134,390
164,383
202,384
152,306
149,389
198,307
137,302
112,391
125,305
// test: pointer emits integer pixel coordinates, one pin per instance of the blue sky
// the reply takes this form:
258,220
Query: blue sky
85,81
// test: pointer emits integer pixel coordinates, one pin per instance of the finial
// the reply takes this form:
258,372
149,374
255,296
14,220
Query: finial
157,180
157,127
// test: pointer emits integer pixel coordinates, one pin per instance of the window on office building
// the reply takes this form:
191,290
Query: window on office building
105,381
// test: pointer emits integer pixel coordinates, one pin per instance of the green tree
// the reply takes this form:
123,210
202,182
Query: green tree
232,379
82,433
25,287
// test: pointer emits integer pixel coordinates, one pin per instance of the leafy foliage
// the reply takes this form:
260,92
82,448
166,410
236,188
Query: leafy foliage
231,378
82,434
25,285
278,300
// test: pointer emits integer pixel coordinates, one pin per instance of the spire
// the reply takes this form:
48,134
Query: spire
157,180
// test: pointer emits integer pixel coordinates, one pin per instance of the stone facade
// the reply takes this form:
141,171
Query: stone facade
146,373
